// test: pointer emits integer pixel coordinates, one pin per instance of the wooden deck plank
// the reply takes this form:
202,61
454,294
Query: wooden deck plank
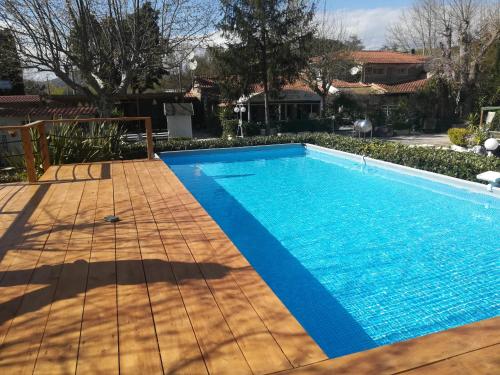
18,216
407,355
20,258
138,346
98,351
27,328
297,345
250,332
485,361
178,345
219,347
59,348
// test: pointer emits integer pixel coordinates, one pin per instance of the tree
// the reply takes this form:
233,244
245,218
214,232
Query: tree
417,28
330,58
353,43
10,65
101,48
152,68
458,33
268,43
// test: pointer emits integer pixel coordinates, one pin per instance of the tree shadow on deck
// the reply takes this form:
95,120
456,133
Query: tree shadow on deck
17,232
81,276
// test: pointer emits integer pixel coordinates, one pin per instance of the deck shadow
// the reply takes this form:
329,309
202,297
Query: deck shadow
14,234
42,297
319,312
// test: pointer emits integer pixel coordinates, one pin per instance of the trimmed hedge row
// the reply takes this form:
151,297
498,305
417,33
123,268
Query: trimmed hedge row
229,127
461,165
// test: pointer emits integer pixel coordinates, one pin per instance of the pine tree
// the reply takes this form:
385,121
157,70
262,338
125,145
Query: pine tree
268,43
10,66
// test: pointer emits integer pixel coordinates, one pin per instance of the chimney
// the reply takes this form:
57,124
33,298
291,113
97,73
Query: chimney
413,51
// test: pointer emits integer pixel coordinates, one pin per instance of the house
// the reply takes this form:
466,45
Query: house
295,101
382,78
22,109
389,67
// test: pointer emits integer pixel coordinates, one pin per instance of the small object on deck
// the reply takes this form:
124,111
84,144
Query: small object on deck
492,177
111,219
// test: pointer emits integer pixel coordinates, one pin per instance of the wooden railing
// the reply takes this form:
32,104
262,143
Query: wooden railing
27,144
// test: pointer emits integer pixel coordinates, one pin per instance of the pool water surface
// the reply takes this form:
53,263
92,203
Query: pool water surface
361,256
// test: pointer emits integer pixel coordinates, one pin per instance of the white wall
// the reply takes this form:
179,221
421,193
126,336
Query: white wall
180,126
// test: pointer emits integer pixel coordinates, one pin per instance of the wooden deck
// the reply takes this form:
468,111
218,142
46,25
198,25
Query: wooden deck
163,290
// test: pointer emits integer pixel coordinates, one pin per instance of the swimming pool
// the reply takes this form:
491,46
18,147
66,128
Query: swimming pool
361,255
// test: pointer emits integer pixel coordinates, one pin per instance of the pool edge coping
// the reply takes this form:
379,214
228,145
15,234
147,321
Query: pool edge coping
436,177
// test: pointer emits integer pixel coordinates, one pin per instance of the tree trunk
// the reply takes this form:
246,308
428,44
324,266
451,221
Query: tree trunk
323,105
266,84
105,106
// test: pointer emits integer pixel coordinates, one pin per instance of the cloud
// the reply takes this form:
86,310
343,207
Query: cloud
369,25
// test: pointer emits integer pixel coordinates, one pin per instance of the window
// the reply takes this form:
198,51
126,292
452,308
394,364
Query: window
378,71
402,71
3,143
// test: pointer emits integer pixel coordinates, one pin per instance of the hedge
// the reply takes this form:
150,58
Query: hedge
459,136
229,127
461,165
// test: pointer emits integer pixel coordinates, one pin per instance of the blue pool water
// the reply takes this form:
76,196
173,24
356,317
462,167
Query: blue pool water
361,256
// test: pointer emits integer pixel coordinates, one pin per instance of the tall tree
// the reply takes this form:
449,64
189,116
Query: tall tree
330,59
268,43
109,44
11,73
458,33
354,43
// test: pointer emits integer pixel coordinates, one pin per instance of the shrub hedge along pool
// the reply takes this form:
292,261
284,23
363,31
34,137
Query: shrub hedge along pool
461,165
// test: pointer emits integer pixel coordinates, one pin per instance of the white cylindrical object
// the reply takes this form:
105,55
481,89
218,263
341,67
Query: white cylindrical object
491,144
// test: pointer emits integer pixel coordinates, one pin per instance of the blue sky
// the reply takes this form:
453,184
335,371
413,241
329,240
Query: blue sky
368,19
363,4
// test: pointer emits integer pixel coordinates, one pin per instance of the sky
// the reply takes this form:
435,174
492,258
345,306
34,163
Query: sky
366,18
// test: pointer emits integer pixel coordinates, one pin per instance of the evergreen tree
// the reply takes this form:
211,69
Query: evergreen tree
268,44
10,66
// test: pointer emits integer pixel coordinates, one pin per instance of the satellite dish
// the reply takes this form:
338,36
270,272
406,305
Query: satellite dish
193,64
355,70
191,56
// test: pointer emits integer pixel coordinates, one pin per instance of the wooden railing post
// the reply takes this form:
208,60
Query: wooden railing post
44,146
149,137
29,158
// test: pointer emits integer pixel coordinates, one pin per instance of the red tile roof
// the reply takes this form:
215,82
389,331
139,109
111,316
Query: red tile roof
205,82
387,57
20,99
295,86
402,88
339,84
48,112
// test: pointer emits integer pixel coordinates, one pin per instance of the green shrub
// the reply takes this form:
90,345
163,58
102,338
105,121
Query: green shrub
495,124
297,126
461,165
459,136
251,129
229,128
77,143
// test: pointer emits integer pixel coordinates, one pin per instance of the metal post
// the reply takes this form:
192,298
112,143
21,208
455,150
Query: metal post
149,137
44,147
29,158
